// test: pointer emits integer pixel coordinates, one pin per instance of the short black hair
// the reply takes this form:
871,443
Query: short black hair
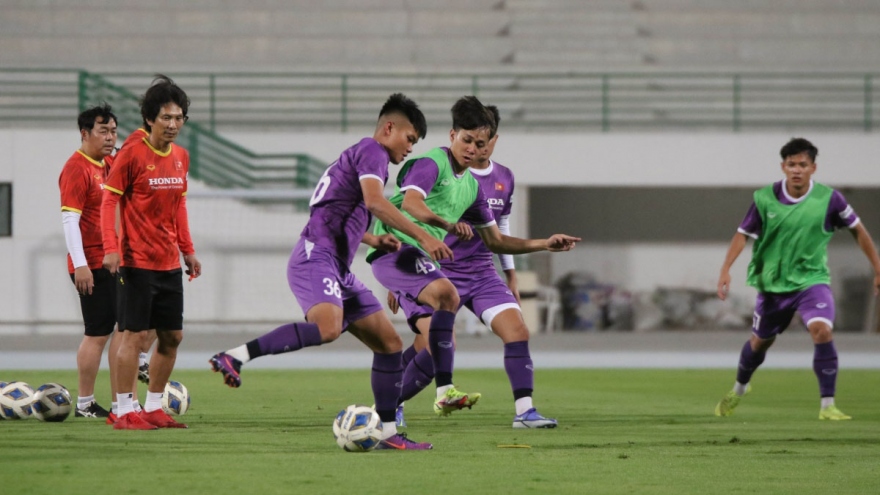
797,146
497,116
161,92
399,103
469,113
89,117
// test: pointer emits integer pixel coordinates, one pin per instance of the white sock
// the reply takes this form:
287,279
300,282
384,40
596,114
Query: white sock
241,353
136,405
441,391
114,408
740,388
389,430
523,405
124,404
82,402
827,402
154,401
142,359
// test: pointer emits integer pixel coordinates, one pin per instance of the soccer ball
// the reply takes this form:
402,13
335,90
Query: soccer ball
357,428
16,400
175,400
52,403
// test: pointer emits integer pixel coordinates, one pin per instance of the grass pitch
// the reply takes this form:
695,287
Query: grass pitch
621,431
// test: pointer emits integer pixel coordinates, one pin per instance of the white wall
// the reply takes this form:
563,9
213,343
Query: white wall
244,249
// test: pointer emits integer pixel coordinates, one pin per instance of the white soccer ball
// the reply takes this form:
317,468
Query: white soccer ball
357,428
52,403
175,400
16,400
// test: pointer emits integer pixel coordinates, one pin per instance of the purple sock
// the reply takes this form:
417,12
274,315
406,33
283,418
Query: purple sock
385,378
409,354
418,374
442,346
519,368
286,338
749,361
825,367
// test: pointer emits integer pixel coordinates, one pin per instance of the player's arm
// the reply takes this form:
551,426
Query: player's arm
384,242
505,244
737,244
863,238
184,241
381,208
74,189
109,238
507,265
414,204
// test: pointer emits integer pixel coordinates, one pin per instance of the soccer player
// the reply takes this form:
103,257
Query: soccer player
147,337
437,191
319,273
81,184
481,290
149,183
791,222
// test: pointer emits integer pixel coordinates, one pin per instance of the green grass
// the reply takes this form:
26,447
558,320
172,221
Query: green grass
621,431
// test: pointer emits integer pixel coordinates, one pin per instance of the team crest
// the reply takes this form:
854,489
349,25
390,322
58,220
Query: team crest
499,186
151,167
97,176
178,165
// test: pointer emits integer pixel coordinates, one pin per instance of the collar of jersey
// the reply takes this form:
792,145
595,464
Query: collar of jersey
87,157
170,148
483,172
796,200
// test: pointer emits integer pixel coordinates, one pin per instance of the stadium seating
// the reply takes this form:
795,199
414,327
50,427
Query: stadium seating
542,35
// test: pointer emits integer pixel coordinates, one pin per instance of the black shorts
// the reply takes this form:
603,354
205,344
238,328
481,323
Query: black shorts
150,299
99,307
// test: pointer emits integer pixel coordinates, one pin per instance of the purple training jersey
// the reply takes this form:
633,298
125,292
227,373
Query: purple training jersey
338,216
840,214
497,184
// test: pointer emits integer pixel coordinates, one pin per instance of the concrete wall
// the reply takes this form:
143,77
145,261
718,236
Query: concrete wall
244,248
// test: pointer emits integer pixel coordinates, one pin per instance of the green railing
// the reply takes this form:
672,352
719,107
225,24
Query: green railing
535,102
600,102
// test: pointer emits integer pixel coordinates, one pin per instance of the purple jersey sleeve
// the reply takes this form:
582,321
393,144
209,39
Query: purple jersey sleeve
840,213
478,213
338,216
421,176
751,224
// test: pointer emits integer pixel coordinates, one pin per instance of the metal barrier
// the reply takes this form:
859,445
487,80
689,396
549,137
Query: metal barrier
597,102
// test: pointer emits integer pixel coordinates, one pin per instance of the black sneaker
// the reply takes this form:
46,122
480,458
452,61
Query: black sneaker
144,373
93,410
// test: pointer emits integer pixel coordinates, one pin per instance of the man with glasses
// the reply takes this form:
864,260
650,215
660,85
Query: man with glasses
149,184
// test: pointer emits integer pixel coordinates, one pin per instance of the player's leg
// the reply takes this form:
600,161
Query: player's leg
816,307
99,317
167,319
507,323
88,360
317,279
418,373
143,360
773,313
376,331
409,273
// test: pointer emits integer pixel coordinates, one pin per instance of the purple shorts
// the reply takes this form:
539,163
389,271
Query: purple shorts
480,289
406,273
316,275
773,312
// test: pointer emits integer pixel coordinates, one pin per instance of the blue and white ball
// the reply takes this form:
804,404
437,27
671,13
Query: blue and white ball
176,399
357,428
52,403
16,400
